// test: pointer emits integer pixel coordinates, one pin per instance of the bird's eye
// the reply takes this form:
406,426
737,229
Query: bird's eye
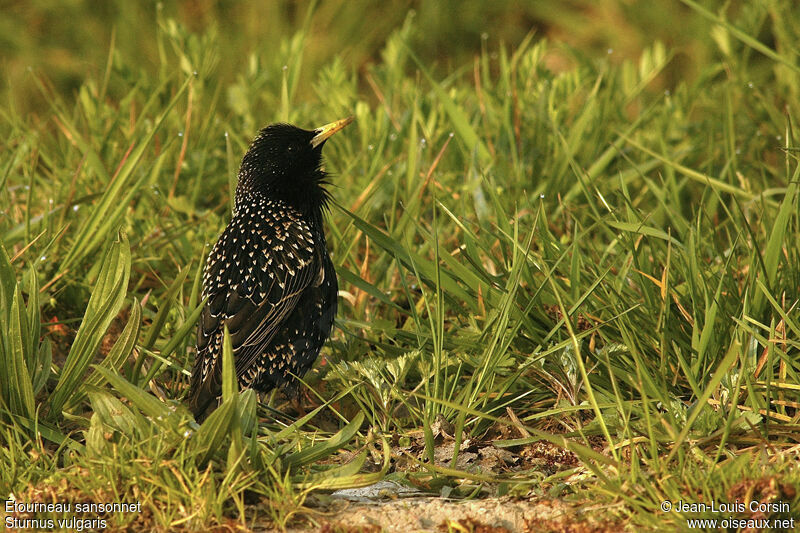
291,148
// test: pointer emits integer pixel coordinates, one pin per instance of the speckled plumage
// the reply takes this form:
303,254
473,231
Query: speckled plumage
269,277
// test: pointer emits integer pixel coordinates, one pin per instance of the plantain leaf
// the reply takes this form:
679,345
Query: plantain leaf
104,304
230,386
18,389
328,479
42,372
34,324
112,412
8,281
347,476
207,441
121,350
146,403
230,393
248,411
325,448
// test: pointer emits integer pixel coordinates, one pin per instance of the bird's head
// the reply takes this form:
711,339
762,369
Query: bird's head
284,162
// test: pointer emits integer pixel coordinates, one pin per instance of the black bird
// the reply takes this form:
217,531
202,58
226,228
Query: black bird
269,277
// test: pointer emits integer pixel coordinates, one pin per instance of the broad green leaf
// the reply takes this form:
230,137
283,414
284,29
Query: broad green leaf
208,440
248,411
43,371
17,387
104,304
146,403
34,326
230,393
113,412
316,452
346,476
230,385
8,281
122,349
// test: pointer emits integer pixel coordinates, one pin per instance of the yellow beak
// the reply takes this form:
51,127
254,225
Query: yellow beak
329,129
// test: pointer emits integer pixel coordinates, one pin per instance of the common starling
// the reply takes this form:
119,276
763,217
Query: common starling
269,277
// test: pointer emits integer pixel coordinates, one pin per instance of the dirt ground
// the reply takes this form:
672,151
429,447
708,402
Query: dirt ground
388,506
492,515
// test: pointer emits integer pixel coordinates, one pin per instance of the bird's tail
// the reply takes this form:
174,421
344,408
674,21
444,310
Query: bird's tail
203,395
201,406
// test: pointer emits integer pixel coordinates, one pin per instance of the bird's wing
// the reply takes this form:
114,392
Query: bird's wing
253,279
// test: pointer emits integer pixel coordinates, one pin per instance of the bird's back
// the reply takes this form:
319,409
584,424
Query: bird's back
270,280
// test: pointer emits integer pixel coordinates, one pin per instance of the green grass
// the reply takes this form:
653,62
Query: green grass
596,256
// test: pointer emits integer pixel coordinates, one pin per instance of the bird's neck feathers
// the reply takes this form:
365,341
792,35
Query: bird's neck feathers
306,194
